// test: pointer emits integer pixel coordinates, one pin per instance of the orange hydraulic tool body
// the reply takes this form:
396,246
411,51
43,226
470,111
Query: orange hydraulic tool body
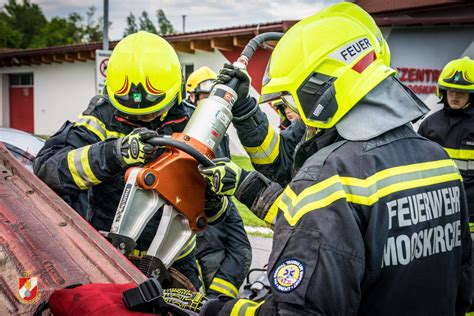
172,181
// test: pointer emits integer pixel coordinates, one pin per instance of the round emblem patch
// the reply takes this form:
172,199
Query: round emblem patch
134,148
288,275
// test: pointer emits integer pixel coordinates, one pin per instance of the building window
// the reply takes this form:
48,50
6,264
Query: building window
187,70
21,79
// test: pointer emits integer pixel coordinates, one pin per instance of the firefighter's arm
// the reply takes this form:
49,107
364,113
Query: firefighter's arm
84,153
74,159
253,189
270,151
238,256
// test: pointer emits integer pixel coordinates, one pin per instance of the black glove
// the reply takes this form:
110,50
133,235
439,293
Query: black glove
215,206
133,149
229,72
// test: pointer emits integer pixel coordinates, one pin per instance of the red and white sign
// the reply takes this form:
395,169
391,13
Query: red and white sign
419,80
101,62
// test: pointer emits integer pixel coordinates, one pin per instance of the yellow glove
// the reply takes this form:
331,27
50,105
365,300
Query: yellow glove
133,148
183,301
224,177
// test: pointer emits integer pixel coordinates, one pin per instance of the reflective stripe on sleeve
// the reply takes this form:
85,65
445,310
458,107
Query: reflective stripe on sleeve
268,151
245,308
79,166
461,154
187,248
224,206
94,125
365,191
464,165
225,287
270,218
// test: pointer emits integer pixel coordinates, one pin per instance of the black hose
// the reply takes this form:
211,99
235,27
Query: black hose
251,47
161,141
258,40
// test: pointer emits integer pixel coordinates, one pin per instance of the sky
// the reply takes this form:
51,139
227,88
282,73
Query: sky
201,14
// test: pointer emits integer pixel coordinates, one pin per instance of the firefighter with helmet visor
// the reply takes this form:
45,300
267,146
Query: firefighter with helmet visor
85,160
373,211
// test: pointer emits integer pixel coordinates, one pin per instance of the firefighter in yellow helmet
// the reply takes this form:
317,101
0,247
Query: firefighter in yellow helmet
374,212
85,160
287,116
453,126
199,84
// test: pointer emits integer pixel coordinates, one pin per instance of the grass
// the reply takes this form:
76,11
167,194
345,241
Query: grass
247,216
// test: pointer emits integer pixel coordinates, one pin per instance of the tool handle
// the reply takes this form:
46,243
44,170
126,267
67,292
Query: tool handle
163,142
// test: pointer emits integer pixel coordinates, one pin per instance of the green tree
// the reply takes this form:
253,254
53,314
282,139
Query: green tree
164,24
131,25
92,30
26,19
59,31
146,24
9,37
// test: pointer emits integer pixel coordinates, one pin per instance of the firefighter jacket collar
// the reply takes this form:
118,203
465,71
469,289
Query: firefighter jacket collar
386,107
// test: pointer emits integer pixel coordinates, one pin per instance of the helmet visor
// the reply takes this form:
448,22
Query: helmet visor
205,86
150,116
138,98
285,96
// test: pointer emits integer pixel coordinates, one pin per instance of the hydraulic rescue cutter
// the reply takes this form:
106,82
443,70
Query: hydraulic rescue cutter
173,182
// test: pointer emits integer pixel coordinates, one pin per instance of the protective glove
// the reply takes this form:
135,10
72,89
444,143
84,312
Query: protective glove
215,206
184,302
229,72
225,177
133,149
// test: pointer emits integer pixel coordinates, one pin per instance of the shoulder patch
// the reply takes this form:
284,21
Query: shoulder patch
287,275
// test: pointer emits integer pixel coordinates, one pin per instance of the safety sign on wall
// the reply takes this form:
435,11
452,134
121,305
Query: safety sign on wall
101,61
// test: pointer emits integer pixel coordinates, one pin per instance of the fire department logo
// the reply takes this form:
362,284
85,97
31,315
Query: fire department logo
28,289
288,275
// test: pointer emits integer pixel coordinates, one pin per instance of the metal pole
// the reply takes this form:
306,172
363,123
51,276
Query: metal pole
184,23
105,43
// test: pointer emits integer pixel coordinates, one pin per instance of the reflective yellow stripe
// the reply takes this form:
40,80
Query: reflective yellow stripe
91,178
79,166
397,171
214,218
187,248
73,170
97,127
462,154
203,285
273,211
245,307
225,287
366,191
138,253
268,151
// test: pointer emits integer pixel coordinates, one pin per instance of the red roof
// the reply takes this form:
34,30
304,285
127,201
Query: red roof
420,12
208,40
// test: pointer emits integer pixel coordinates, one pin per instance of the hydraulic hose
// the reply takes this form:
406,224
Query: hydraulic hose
250,49
258,40
162,142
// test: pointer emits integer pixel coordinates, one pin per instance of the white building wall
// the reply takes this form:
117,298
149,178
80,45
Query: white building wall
61,92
